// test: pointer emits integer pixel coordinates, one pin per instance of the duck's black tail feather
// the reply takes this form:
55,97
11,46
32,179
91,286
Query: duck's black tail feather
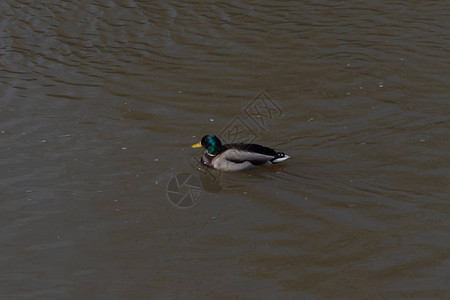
280,156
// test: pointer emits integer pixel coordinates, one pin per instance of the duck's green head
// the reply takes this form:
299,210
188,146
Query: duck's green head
210,143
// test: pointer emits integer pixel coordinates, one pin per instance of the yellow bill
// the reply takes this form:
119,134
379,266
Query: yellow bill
198,145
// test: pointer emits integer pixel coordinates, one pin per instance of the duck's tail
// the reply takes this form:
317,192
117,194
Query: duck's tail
279,158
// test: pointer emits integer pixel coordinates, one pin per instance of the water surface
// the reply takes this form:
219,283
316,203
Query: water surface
101,101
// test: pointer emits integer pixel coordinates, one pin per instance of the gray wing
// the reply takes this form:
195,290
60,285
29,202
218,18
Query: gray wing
240,157
225,165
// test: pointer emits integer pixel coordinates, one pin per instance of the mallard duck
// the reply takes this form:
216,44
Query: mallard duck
236,156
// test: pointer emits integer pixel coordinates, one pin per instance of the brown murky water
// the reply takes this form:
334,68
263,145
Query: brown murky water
102,99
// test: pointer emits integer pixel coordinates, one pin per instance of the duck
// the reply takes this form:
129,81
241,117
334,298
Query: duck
236,156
